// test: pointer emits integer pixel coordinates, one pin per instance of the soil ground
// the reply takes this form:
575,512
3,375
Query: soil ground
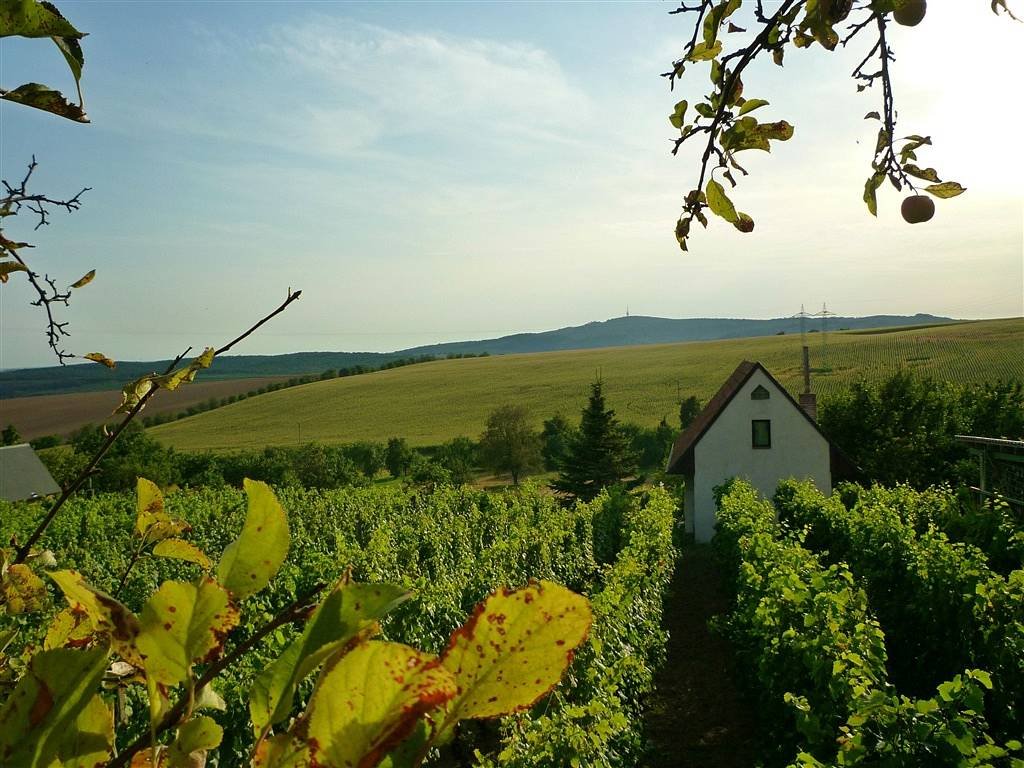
698,718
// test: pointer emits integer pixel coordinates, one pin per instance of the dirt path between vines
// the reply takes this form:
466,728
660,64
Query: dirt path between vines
698,717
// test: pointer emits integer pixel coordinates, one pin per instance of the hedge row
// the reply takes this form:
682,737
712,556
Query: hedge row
817,659
595,717
941,606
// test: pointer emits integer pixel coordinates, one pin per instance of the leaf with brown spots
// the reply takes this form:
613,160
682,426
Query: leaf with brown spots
348,610
42,713
23,591
514,648
109,617
370,700
68,629
250,561
183,623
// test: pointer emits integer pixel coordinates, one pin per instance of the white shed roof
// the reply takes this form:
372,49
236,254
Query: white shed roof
23,475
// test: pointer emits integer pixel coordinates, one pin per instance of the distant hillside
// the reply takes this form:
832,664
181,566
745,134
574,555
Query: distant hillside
620,331
435,402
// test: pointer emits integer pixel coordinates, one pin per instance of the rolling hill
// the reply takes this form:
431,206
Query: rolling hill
433,402
620,331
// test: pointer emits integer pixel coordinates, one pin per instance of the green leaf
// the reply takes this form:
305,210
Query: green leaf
179,549
347,611
751,104
250,561
108,616
183,623
704,52
678,117
42,713
194,739
514,648
719,202
870,191
23,591
352,723
713,21
186,375
133,392
48,100
872,116
91,740
28,18
945,190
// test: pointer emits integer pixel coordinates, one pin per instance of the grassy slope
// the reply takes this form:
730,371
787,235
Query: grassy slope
431,403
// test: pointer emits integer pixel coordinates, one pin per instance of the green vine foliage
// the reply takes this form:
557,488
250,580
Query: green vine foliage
817,656
941,605
724,121
372,701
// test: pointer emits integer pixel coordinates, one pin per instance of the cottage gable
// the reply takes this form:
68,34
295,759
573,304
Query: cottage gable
752,428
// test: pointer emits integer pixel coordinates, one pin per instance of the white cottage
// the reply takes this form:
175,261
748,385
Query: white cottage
752,429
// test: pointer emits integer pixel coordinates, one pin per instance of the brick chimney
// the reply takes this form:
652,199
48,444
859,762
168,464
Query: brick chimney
809,402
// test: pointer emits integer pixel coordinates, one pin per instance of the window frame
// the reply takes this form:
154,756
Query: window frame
760,392
753,434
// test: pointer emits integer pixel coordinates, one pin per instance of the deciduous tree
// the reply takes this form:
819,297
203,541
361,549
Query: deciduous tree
509,444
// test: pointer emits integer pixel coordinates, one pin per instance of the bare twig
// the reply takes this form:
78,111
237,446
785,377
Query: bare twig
77,483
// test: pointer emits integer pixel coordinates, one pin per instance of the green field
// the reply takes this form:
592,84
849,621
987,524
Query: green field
434,402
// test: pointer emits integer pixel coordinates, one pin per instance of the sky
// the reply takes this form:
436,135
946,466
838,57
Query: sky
439,171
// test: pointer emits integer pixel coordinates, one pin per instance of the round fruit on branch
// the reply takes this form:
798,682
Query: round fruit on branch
910,13
917,209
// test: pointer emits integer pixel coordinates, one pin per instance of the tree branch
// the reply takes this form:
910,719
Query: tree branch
77,483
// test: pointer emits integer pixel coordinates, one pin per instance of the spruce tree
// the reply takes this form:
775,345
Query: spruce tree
599,453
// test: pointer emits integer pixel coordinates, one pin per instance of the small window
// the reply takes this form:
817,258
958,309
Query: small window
761,433
759,393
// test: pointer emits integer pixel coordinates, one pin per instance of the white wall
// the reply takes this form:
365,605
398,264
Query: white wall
725,451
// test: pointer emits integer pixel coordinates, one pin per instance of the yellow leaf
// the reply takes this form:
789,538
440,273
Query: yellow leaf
91,739
152,523
183,623
370,700
23,591
8,267
85,279
281,751
514,648
99,357
108,616
68,628
179,549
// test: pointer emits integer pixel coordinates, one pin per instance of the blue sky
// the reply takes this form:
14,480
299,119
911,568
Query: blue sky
441,171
